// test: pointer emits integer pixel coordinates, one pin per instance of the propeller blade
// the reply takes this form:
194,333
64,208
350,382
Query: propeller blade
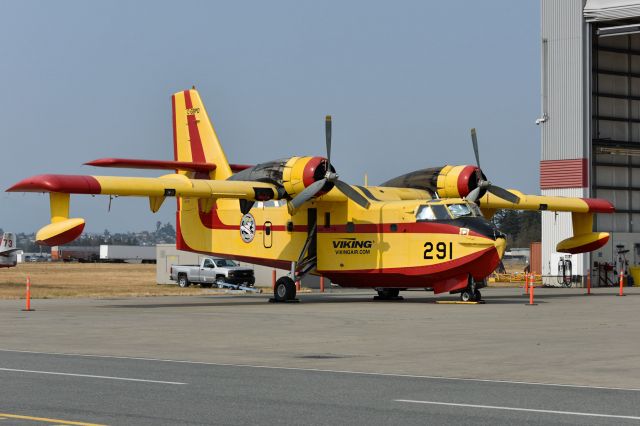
307,194
504,194
473,195
474,139
352,194
327,131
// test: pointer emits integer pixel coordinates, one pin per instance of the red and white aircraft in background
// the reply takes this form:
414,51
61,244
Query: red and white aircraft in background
8,255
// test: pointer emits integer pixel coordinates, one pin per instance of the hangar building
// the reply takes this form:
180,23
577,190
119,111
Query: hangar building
590,122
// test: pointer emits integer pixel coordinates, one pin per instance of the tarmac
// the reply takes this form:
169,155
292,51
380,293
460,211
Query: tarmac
333,358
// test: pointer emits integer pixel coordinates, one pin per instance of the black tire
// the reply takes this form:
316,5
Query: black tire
388,293
219,282
183,282
284,290
478,295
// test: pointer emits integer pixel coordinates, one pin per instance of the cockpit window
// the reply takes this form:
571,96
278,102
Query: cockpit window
461,210
425,213
432,212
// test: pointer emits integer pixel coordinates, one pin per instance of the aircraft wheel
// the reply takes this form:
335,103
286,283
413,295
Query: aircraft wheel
183,282
388,293
478,295
466,296
285,289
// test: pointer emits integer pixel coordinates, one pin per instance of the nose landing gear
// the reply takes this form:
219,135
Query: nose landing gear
471,293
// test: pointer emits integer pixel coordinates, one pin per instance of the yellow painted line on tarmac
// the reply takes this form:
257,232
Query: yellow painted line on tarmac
44,419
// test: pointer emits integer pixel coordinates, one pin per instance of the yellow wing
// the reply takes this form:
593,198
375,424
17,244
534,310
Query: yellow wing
62,229
582,210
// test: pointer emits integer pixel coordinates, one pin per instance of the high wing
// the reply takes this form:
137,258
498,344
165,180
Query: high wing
165,186
582,210
63,229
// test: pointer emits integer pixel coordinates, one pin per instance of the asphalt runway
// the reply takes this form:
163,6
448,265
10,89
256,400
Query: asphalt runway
337,358
149,392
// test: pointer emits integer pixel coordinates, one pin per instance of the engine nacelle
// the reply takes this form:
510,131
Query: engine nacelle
293,174
300,172
457,181
447,182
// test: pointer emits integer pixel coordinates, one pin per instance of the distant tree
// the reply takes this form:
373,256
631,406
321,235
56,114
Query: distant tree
521,227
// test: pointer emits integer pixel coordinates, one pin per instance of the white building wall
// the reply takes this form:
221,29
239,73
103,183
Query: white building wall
556,226
563,82
565,101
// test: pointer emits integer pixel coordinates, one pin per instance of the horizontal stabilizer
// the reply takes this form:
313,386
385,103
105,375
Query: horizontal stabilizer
132,163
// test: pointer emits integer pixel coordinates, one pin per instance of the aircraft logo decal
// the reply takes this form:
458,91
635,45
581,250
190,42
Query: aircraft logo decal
352,246
247,228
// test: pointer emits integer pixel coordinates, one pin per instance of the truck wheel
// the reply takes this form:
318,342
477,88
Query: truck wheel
183,282
284,290
219,282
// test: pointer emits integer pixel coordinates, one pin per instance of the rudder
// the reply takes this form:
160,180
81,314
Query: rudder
194,137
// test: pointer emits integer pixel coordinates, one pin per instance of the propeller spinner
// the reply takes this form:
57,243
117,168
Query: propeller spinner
485,184
330,177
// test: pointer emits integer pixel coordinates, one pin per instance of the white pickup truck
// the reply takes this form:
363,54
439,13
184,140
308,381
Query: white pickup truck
221,272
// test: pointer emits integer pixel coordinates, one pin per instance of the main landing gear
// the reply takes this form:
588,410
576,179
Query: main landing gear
285,290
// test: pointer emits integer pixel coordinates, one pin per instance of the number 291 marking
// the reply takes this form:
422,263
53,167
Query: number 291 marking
442,251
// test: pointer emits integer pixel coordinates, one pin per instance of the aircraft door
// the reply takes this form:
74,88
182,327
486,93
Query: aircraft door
267,237
312,219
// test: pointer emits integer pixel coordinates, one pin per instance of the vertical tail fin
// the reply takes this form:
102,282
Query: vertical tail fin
8,243
194,137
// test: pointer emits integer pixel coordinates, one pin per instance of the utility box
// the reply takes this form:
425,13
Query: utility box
535,258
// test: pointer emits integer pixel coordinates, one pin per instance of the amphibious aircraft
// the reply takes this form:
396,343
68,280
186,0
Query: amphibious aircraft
426,229
8,250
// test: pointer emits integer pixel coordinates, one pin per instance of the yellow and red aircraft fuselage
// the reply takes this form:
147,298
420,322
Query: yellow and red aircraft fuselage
416,230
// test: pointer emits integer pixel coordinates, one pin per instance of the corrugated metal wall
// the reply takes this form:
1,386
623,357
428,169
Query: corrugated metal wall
563,135
616,116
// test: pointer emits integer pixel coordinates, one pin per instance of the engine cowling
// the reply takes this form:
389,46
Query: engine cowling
300,172
457,181
293,174
447,182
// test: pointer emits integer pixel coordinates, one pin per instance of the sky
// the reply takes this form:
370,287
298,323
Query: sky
403,80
